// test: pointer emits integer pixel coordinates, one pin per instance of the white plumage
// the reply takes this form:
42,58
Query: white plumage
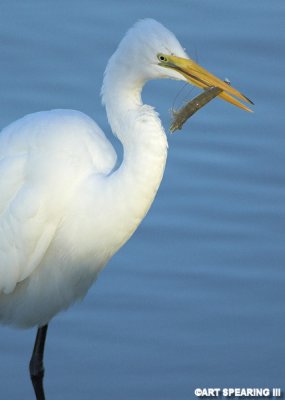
63,210
47,161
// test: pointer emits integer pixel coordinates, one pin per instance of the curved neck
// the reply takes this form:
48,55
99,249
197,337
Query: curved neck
133,186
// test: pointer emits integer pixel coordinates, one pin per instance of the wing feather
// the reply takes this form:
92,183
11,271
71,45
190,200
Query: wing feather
43,158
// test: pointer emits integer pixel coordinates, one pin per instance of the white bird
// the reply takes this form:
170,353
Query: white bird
64,209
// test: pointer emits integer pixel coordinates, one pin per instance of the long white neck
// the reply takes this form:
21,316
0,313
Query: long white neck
133,186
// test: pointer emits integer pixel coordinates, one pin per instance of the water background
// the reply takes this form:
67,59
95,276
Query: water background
196,298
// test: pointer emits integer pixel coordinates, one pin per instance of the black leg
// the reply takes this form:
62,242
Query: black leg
36,363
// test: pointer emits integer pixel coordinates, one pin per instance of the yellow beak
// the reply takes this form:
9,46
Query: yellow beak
200,77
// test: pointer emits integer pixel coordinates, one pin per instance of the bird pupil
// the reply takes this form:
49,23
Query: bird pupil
161,57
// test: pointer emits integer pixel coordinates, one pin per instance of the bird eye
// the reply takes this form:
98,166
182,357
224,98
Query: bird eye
162,58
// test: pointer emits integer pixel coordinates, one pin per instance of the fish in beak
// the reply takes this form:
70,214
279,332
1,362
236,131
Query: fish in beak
200,77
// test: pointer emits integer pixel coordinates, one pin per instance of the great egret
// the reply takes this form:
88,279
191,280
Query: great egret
64,210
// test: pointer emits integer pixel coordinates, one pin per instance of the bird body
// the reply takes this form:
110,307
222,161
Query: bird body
63,212
48,161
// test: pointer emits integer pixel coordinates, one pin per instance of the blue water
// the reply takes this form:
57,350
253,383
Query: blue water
196,297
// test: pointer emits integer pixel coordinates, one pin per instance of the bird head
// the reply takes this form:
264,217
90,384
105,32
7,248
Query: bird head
151,51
